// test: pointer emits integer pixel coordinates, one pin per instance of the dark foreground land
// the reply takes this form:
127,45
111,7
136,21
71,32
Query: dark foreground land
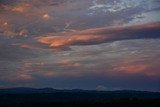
27,97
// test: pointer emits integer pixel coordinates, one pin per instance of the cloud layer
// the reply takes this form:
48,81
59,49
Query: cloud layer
89,44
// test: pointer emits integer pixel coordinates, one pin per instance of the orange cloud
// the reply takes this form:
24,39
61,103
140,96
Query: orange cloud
57,41
20,8
29,46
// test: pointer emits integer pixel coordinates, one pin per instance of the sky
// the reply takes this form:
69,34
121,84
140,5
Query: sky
80,44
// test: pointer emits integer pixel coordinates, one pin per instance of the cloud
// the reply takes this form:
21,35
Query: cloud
135,65
22,77
59,42
39,17
89,64
18,17
41,47
103,35
131,68
14,53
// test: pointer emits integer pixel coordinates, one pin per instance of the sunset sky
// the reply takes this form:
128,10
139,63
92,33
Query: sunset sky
80,44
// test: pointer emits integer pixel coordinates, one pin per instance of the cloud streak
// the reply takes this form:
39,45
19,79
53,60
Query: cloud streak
103,35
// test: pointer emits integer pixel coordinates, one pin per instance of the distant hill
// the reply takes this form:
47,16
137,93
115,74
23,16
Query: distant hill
24,90
82,94
23,97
